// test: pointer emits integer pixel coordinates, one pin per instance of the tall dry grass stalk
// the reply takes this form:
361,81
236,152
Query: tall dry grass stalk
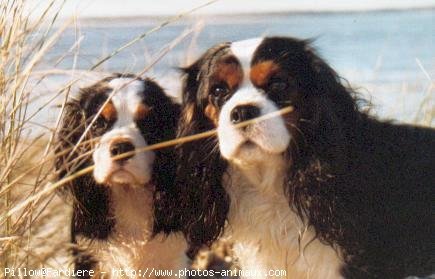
426,111
24,164
34,229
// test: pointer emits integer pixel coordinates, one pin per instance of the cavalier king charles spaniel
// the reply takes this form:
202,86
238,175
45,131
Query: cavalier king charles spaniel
115,208
325,191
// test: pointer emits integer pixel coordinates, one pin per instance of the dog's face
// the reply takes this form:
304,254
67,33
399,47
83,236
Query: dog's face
243,80
120,126
235,82
254,93
138,114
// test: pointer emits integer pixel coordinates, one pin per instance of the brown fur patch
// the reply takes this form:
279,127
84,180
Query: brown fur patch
212,113
109,112
142,111
261,72
230,72
188,113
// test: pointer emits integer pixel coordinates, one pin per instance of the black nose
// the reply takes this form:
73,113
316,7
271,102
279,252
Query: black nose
243,113
118,148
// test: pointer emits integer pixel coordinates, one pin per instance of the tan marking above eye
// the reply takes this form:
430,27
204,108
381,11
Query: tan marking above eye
231,73
261,72
212,113
109,112
142,111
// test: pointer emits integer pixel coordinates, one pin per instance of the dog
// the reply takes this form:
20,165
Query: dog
114,207
325,191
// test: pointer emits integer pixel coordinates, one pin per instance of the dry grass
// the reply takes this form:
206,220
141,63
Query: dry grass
426,112
33,220
21,172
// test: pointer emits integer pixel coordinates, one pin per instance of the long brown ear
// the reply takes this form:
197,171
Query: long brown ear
91,214
164,166
328,115
202,201
190,82
71,128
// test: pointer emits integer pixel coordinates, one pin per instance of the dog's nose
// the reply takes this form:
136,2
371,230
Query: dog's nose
243,113
118,148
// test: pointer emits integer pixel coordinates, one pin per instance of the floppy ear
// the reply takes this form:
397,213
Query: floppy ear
72,126
329,114
91,216
203,201
164,169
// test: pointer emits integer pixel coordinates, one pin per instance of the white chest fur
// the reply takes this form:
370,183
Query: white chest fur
130,246
267,234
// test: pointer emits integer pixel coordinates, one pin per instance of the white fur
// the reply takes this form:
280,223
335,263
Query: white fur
244,50
130,246
267,234
270,135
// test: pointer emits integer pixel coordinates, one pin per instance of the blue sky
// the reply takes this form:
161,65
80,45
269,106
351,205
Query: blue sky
104,8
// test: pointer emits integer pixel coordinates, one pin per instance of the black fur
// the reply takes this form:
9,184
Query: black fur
92,217
199,214
366,186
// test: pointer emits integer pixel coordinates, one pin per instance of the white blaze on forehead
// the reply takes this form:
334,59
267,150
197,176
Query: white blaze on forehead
126,98
244,50
270,135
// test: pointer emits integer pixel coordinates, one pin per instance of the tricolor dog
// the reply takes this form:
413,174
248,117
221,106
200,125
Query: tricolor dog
116,207
323,191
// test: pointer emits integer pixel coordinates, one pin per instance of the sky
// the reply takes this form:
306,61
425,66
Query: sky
125,8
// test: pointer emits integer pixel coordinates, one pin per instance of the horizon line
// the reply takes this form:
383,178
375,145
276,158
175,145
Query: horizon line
259,13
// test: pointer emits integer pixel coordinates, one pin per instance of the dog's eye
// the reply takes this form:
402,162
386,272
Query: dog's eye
277,85
219,90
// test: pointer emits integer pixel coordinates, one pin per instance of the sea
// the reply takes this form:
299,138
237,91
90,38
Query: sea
388,56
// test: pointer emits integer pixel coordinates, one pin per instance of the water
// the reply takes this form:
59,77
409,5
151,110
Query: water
378,52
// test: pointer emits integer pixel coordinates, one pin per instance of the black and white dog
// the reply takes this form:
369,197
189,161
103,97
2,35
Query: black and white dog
325,191
114,208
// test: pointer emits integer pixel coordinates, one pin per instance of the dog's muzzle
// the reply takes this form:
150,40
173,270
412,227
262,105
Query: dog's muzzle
263,136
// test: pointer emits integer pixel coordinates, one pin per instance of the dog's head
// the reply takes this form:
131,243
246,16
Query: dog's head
119,114
104,127
236,82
